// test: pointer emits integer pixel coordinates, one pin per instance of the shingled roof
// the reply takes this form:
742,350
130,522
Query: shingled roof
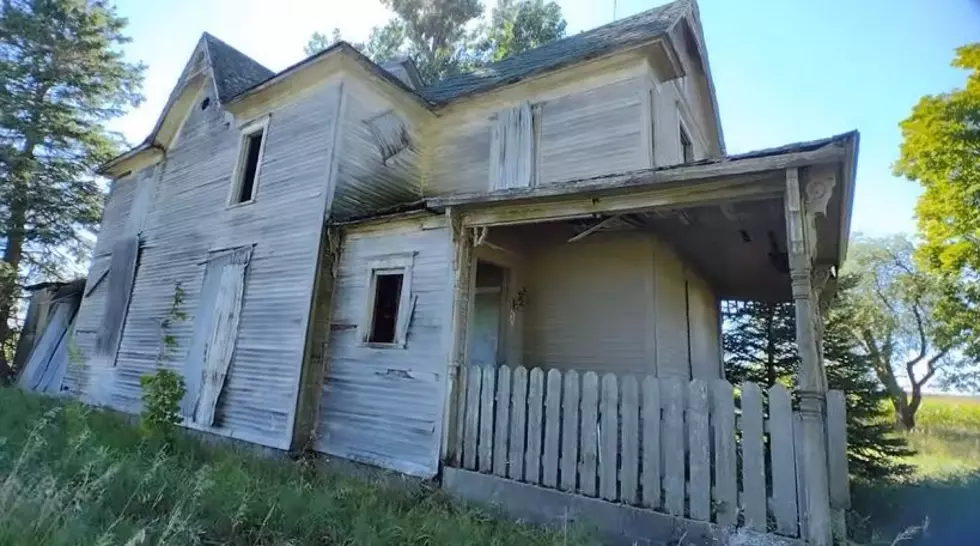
627,32
234,71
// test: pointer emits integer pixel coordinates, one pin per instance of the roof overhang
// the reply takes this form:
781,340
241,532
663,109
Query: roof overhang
750,176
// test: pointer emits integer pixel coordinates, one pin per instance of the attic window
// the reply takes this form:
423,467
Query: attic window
205,103
249,163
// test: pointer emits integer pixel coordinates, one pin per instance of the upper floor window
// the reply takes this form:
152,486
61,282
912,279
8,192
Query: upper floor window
249,163
512,148
687,147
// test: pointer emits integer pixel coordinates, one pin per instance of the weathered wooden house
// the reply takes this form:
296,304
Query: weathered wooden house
427,276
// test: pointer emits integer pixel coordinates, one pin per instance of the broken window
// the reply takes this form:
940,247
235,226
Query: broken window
687,147
390,302
387,294
512,148
249,164
215,332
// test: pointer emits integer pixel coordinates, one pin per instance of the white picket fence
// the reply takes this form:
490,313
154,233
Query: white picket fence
665,444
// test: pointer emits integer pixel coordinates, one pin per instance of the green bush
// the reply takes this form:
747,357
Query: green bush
162,393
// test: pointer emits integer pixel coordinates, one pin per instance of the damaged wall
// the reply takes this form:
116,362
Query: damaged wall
383,405
188,218
378,155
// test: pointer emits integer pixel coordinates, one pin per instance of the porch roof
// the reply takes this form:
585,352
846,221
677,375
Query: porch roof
755,175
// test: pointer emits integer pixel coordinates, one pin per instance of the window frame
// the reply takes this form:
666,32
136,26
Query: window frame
390,264
246,132
684,134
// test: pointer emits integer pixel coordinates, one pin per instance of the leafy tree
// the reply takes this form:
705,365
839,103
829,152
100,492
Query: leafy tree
898,326
517,26
63,78
941,151
443,38
760,346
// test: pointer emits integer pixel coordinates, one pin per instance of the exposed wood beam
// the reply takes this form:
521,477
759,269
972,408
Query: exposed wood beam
594,228
586,206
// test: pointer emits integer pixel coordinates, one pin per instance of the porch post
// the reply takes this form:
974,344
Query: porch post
812,381
461,243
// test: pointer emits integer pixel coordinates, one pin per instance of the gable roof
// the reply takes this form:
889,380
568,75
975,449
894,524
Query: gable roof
621,34
234,71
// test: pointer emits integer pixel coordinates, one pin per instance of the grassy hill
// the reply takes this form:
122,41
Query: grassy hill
944,491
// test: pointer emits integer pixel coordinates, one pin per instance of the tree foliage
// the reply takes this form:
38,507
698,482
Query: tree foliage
63,78
899,327
941,151
446,37
760,346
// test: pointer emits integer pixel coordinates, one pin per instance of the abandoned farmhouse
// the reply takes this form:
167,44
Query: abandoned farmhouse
507,278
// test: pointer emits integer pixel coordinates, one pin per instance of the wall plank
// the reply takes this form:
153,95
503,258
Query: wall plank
502,426
570,432
589,449
753,459
552,429
609,438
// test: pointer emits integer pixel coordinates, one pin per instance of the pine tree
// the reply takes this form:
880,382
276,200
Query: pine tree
62,77
760,346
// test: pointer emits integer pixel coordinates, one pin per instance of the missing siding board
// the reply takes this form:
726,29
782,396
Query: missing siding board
390,134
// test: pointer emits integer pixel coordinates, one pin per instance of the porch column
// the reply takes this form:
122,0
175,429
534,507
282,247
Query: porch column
812,380
461,282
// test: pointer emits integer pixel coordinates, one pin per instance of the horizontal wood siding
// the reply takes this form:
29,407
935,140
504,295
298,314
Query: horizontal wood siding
584,128
587,307
671,311
591,133
366,181
189,216
704,328
384,406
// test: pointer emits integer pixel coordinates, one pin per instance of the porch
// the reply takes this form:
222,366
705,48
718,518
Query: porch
586,354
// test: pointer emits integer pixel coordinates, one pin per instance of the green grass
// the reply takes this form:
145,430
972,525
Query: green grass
72,475
945,487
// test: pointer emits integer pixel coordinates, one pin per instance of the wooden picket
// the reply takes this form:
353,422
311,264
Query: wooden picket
697,449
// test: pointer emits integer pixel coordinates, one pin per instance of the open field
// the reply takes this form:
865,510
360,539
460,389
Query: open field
945,488
70,475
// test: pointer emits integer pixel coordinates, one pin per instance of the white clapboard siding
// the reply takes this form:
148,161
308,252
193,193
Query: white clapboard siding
385,406
186,217
659,443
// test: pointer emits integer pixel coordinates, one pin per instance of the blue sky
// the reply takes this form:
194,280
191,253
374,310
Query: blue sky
784,70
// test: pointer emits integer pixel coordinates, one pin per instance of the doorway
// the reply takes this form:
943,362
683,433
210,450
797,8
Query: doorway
486,329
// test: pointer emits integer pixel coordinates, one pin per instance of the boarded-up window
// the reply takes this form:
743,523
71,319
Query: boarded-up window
119,286
215,332
512,148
